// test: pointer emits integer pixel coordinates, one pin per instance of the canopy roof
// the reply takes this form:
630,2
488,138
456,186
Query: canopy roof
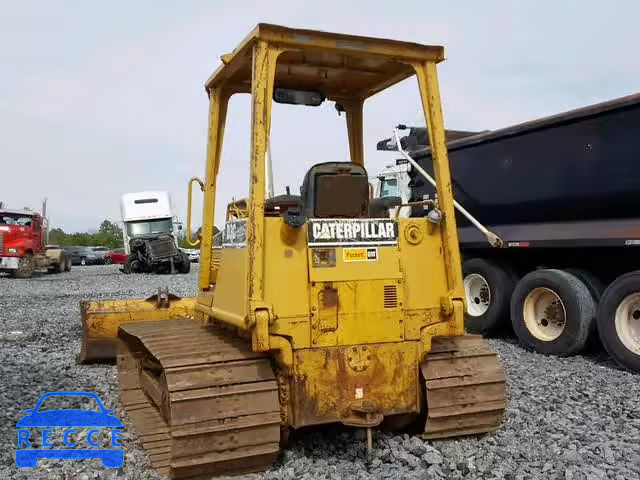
339,66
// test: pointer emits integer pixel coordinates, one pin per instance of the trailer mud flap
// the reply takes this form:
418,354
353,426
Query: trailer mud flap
102,318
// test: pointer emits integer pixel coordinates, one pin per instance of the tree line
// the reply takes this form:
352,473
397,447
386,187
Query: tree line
108,235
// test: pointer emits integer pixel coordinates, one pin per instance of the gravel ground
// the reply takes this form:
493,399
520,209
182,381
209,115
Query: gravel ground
575,418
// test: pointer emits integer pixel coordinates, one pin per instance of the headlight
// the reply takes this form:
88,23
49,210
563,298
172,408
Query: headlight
12,250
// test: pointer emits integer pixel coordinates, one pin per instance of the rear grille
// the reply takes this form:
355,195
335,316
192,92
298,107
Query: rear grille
390,296
162,248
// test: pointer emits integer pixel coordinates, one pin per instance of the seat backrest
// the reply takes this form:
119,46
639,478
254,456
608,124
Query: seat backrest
335,190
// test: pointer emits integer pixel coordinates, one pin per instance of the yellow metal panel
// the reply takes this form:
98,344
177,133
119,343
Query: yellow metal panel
362,316
230,292
386,266
424,274
345,65
428,82
286,286
102,318
422,265
327,381
295,328
264,64
354,131
218,101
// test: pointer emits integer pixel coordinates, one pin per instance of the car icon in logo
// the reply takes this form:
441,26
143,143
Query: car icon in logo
27,457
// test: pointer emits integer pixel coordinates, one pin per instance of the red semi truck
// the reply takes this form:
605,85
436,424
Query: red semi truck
23,244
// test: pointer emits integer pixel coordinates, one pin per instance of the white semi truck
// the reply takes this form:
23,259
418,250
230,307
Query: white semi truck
148,231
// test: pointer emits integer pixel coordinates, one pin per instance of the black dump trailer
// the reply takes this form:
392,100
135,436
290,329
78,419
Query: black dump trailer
563,193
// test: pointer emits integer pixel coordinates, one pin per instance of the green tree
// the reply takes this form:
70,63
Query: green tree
108,235
56,236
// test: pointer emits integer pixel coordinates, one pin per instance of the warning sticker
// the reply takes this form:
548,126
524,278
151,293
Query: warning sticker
360,254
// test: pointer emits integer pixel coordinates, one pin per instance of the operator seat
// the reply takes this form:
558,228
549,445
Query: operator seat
335,190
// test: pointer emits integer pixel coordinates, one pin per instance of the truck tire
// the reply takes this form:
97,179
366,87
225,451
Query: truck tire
185,264
132,265
488,286
26,266
68,264
593,283
596,288
552,312
62,264
619,320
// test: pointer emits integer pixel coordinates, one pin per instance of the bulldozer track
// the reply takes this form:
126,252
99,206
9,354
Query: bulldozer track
465,387
202,402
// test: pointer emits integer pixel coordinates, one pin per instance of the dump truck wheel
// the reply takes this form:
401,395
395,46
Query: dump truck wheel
26,266
68,264
185,264
488,287
619,320
596,288
593,283
552,312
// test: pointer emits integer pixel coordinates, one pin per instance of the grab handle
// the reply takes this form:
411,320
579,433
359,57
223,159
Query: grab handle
190,241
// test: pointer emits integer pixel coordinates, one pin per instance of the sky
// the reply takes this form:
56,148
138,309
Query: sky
98,99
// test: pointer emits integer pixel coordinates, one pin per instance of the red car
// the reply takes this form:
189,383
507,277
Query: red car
115,256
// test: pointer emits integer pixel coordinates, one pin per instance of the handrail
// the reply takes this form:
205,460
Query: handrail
421,203
190,241
493,239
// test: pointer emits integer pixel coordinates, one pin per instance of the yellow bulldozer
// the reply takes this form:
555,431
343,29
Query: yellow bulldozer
311,309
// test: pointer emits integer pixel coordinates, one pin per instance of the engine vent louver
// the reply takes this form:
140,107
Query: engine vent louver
390,296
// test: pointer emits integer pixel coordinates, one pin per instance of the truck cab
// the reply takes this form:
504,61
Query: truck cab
20,233
148,231
22,244
393,181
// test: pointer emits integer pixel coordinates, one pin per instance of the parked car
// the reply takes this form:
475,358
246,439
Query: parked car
117,256
81,255
192,253
100,252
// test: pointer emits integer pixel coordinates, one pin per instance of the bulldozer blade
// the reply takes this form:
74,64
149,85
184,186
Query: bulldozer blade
102,318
